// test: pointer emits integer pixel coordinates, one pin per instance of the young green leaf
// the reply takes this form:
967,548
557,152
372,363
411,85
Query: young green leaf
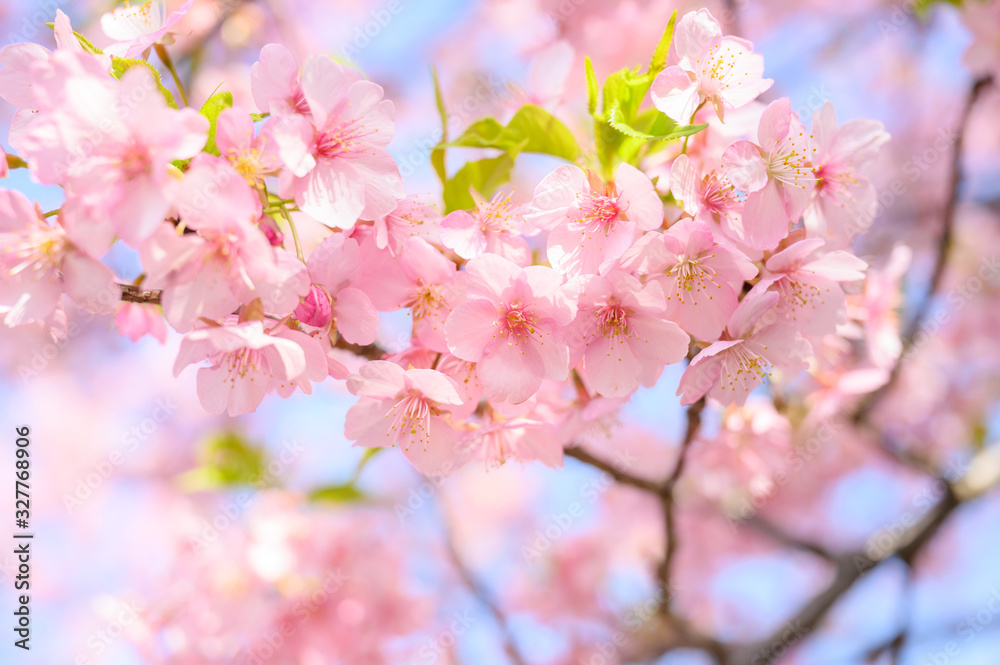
591,86
438,154
336,494
215,105
532,129
485,176
659,60
121,65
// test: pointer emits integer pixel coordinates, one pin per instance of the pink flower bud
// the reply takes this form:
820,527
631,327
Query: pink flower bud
315,309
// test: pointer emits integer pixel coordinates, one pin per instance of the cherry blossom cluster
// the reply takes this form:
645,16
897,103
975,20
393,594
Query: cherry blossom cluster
727,250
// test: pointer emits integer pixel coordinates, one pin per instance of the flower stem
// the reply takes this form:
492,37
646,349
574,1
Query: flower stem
168,62
295,233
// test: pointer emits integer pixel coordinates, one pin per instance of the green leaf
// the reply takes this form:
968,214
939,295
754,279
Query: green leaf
591,86
84,42
666,131
257,117
15,162
485,175
337,494
437,154
121,65
659,60
215,105
226,461
532,129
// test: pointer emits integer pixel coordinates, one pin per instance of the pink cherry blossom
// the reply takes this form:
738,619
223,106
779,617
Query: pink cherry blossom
723,71
338,168
728,370
592,223
411,218
708,198
810,296
40,263
405,408
512,327
701,279
621,334
335,267
135,28
229,261
776,173
844,201
247,362
136,320
126,175
494,226
423,280
253,157
275,82
519,438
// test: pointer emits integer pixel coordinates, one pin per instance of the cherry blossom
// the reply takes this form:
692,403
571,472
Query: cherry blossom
699,278
338,166
592,223
511,327
405,408
809,286
246,362
728,370
622,335
41,264
136,28
720,70
776,173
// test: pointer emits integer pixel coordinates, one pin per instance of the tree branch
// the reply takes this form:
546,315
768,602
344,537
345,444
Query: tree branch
941,259
667,500
131,293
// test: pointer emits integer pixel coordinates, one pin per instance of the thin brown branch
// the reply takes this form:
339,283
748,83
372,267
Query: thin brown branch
619,474
849,569
131,293
668,502
368,351
941,258
480,593
779,535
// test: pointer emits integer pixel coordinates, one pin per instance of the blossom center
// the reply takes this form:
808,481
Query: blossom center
496,215
599,213
517,321
691,278
410,418
612,321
